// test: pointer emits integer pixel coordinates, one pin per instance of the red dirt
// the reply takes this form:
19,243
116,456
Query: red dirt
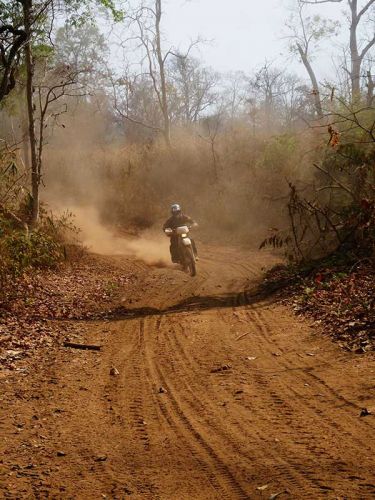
282,413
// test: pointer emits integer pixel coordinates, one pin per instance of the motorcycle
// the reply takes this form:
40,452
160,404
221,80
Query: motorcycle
185,250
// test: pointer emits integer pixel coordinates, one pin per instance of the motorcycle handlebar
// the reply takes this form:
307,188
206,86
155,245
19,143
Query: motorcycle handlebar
190,226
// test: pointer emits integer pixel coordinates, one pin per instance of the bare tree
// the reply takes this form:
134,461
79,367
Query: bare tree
135,104
358,50
272,92
53,90
295,102
148,21
161,60
193,88
235,94
155,65
211,127
266,81
358,54
305,35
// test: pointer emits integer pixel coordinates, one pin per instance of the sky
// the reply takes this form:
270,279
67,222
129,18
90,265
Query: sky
242,34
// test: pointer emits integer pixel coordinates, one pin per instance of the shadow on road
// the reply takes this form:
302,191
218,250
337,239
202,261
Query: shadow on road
201,303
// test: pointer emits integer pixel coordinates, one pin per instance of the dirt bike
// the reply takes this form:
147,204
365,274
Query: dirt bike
185,250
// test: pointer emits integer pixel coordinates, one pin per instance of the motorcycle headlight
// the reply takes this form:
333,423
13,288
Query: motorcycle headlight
183,235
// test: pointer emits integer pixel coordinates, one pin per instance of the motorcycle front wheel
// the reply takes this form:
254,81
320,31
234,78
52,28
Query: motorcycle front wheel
190,264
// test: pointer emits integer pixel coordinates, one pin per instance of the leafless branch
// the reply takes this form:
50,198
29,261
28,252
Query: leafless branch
337,182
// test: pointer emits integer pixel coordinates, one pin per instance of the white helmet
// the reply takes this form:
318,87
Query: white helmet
175,209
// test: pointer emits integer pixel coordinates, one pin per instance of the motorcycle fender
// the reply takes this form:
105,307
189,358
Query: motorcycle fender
186,242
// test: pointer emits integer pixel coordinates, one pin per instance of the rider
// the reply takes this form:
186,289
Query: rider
176,220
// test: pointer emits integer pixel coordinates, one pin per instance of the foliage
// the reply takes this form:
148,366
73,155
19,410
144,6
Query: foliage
336,292
81,12
279,150
310,32
335,209
42,248
12,176
81,47
20,251
343,299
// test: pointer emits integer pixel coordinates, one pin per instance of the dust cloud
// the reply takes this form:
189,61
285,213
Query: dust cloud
148,246
235,193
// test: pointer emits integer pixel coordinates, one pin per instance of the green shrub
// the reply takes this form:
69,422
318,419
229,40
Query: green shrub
42,248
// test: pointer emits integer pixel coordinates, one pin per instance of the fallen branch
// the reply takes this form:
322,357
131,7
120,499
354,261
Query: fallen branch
88,347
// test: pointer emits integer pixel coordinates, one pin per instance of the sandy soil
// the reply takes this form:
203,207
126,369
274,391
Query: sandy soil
216,394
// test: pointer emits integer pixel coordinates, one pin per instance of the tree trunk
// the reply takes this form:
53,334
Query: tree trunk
185,80
355,58
163,83
370,89
35,173
314,81
25,136
25,145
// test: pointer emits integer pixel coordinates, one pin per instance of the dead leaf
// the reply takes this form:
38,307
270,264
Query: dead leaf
276,495
262,488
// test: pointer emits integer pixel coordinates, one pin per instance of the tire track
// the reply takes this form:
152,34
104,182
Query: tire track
221,472
187,427
315,413
236,432
129,406
275,405
308,376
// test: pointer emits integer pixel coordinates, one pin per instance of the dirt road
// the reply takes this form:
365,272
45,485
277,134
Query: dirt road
215,395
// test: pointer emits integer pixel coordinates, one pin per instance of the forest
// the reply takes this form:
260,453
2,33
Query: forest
104,123
163,126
